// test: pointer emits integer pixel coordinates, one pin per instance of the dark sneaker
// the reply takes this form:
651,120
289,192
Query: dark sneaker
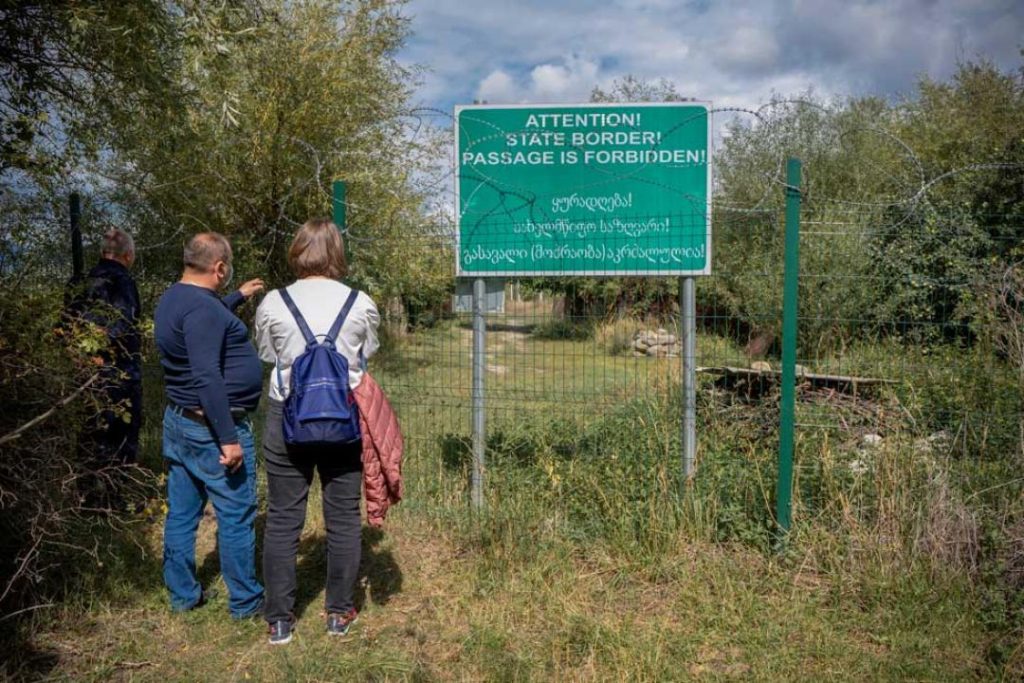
338,624
280,633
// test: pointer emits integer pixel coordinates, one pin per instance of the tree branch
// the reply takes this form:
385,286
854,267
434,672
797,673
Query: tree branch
11,436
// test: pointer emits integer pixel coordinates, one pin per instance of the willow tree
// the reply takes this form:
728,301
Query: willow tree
853,170
69,71
281,100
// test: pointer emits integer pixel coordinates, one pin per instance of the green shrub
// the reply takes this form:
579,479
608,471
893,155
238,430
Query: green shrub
49,536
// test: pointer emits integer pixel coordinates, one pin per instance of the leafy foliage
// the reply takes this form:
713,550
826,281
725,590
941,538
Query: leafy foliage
174,118
913,199
72,71
306,93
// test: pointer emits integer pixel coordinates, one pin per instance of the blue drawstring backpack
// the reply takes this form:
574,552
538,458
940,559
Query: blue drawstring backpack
320,409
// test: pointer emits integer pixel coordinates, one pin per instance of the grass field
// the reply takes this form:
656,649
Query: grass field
591,562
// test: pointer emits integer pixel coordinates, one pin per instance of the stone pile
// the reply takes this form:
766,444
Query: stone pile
656,343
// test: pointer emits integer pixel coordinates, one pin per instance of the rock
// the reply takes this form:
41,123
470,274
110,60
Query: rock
761,366
657,351
662,330
664,339
640,345
647,337
871,440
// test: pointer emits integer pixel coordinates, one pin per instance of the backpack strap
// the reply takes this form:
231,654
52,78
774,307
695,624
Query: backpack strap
340,320
303,327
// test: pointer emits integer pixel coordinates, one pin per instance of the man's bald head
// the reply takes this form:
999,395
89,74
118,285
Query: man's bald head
204,251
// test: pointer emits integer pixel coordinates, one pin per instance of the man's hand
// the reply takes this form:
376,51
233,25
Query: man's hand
251,287
231,456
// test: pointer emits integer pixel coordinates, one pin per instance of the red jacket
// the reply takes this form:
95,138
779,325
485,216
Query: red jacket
382,450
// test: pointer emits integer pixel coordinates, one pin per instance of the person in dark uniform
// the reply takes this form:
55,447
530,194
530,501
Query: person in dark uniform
109,299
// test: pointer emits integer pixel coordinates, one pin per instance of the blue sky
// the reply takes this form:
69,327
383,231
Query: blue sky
735,54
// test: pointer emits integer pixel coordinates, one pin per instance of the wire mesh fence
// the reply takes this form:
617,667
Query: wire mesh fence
908,320
900,346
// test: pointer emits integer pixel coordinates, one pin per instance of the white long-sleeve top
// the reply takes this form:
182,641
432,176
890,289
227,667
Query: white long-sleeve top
279,340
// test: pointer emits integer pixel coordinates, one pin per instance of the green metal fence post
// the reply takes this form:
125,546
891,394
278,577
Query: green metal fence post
338,207
784,491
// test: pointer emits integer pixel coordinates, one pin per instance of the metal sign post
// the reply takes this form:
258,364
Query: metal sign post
77,260
479,366
494,296
688,322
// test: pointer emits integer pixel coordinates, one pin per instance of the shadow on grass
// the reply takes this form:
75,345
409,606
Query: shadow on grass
524,328
397,364
380,578
28,662
121,569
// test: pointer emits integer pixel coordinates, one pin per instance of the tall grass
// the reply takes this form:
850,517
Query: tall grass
593,559
895,526
616,481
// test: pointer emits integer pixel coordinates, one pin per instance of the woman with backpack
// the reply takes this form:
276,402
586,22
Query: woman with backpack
318,333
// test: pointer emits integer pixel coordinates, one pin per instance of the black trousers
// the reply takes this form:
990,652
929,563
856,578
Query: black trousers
110,440
289,475
113,435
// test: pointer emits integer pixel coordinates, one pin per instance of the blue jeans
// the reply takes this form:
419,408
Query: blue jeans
195,475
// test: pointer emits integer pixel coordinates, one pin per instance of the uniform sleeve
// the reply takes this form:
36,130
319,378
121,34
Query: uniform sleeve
113,305
205,332
372,342
122,327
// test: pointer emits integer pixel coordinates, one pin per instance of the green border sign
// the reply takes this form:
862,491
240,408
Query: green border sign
585,189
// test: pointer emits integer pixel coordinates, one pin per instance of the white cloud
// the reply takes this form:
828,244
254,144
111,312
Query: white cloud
732,53
566,80
572,80
498,88
735,53
750,47
646,4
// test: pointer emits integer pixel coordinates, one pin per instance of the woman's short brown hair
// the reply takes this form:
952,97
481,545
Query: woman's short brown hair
318,250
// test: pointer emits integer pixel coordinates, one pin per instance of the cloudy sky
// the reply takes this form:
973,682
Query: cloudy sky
734,54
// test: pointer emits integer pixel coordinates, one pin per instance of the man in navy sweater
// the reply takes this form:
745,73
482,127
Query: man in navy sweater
213,380
109,299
